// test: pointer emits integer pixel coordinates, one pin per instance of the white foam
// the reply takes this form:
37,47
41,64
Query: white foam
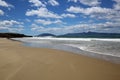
66,39
86,49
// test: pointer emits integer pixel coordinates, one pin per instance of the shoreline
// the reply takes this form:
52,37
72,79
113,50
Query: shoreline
70,48
75,50
18,62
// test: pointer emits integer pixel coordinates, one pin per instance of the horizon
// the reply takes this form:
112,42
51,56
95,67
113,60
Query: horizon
34,17
58,34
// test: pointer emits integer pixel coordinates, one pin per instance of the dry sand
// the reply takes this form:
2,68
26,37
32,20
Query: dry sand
18,62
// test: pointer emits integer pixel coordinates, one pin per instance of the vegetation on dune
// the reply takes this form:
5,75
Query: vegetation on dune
12,35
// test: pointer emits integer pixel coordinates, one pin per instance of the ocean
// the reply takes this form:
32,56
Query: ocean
102,48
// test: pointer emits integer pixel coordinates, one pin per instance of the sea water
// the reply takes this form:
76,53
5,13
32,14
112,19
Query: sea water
107,49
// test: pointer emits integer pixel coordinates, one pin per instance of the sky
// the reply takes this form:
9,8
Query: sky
34,17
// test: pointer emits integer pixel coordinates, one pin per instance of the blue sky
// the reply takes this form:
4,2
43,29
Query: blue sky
59,16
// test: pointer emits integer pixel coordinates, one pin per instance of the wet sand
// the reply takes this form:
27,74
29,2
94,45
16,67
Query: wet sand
19,62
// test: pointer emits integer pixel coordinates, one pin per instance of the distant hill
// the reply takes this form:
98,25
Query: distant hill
91,35
46,35
12,35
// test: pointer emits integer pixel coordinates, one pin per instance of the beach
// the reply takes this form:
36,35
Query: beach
18,62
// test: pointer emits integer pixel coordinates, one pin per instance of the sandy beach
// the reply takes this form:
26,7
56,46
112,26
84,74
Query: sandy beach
18,62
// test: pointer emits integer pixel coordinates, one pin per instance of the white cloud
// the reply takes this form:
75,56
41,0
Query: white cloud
27,20
87,2
60,30
37,3
35,27
117,5
89,11
111,14
68,15
90,2
96,12
73,9
41,29
82,27
11,25
111,24
47,22
42,12
1,12
5,4
73,1
53,2
8,22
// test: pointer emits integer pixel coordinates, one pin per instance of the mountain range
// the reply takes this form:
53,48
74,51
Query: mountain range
83,35
68,35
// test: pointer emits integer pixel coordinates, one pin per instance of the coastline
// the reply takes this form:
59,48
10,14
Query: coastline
19,62
69,44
